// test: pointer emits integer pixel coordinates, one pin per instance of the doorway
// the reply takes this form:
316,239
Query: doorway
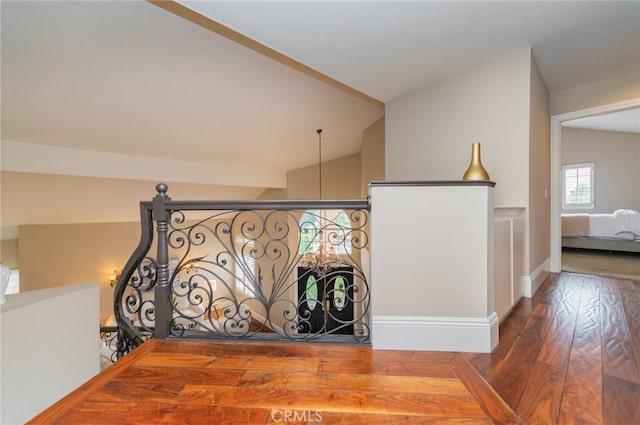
556,170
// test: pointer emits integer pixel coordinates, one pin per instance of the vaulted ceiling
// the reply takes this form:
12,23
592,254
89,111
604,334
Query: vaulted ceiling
172,96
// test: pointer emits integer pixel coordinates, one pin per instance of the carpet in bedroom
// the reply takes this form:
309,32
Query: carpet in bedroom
619,265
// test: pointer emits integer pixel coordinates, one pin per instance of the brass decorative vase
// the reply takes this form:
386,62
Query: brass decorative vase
476,171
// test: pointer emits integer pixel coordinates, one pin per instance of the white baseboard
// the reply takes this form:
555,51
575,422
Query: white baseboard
469,334
530,284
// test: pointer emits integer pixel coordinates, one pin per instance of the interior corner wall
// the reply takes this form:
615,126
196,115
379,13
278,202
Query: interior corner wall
340,180
429,133
66,254
372,156
616,156
9,253
604,92
539,212
273,193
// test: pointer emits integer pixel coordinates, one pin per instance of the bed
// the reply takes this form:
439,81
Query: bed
619,231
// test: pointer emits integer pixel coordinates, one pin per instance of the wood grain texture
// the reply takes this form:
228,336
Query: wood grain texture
509,377
259,383
621,401
494,406
354,382
372,401
584,372
570,355
540,402
142,413
618,358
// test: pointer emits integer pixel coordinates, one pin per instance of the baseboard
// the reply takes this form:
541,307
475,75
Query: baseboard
530,284
468,334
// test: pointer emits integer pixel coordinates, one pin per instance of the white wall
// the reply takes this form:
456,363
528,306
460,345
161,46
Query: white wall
49,346
604,92
537,245
432,266
429,133
504,106
617,165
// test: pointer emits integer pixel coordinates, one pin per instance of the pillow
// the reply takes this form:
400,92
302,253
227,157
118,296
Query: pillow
626,221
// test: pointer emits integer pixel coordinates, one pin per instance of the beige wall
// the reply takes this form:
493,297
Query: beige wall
67,254
539,213
272,193
617,165
372,156
9,253
502,105
604,92
340,180
429,133
71,251
29,198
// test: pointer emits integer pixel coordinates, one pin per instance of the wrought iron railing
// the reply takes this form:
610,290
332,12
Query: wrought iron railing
288,270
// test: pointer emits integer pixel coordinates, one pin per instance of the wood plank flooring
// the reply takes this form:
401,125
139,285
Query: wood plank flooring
266,383
569,355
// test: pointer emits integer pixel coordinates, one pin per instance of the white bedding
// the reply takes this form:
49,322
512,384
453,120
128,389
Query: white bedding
622,224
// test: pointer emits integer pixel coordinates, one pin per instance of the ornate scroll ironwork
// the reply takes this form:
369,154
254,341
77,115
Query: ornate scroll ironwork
288,270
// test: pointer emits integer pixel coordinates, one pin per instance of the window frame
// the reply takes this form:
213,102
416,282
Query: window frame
241,277
579,206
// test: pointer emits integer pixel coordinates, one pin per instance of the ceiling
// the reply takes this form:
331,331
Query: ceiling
130,78
390,48
627,121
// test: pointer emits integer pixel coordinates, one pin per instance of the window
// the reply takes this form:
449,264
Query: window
578,185
335,228
245,267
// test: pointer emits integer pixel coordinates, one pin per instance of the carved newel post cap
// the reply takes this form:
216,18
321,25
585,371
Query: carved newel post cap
162,189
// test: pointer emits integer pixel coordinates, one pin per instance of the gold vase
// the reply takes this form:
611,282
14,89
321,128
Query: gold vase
476,171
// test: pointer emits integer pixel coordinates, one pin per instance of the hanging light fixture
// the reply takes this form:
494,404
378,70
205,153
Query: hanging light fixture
322,259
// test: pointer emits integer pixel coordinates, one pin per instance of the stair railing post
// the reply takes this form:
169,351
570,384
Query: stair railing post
162,294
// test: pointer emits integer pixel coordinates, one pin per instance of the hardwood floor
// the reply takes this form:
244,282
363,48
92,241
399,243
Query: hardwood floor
570,355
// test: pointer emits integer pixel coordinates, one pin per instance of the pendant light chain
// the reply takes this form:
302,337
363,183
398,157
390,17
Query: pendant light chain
319,131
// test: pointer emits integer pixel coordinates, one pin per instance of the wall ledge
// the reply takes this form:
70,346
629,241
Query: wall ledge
432,183
21,299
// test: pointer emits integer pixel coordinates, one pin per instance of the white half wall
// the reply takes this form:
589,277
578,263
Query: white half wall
432,266
49,346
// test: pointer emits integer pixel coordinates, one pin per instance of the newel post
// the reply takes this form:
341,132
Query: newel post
162,294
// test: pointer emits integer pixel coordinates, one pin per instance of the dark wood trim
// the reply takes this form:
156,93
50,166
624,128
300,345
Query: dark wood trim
410,183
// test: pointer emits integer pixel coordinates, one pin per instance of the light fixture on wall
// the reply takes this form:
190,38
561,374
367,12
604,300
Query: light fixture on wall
322,259
113,279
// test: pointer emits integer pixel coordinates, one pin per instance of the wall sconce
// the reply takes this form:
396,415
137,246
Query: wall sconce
114,277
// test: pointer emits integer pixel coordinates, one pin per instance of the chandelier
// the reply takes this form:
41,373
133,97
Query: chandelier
323,258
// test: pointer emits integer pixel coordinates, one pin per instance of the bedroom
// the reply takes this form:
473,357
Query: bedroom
600,234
